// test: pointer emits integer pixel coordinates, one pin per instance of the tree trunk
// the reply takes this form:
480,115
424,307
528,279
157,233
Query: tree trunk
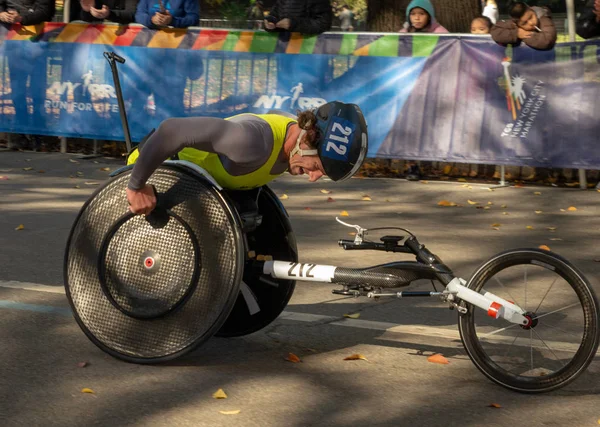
454,15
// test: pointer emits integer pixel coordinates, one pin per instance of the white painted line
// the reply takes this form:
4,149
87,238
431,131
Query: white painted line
32,287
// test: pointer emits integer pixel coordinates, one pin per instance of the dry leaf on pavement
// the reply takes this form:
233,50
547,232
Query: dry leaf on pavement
503,206
344,213
293,358
20,227
82,364
284,197
486,207
355,357
325,191
219,394
3,178
495,225
544,248
27,169
494,405
352,316
530,227
234,412
366,198
538,212
490,203
87,390
504,213
551,228
537,193
572,208
471,202
424,182
73,161
461,180
105,169
446,203
438,358
330,199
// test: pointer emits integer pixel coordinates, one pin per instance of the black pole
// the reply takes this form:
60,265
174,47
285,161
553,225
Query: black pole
112,57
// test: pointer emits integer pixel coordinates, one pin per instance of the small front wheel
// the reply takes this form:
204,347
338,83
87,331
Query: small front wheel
562,337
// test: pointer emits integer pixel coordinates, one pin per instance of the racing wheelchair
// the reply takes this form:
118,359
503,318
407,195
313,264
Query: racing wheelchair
150,289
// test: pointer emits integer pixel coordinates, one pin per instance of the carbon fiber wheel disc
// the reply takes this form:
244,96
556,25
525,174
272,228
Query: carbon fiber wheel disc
150,289
262,299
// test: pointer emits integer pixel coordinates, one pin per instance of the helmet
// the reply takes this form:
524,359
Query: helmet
342,141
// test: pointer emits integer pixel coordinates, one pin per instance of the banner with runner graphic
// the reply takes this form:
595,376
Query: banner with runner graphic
430,97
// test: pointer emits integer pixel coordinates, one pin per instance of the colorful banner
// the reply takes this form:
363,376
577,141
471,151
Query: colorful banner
430,97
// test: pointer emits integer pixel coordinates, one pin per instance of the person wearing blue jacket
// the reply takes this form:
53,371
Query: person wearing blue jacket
168,13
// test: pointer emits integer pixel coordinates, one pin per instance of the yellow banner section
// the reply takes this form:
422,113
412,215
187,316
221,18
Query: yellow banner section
168,38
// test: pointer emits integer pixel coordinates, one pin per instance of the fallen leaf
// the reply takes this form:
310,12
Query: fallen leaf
219,394
471,202
293,358
352,316
234,412
519,186
490,189
486,207
490,203
446,203
530,227
307,209
344,213
3,178
91,183
544,248
325,191
495,228
330,199
555,238
494,405
562,210
388,200
465,185
447,169
355,357
88,390
20,227
41,171
572,208
105,169
424,182
461,180
504,213
73,161
284,197
366,198
503,206
478,207
538,212
571,184
537,193
27,169
496,225
82,364
312,350
438,358
77,186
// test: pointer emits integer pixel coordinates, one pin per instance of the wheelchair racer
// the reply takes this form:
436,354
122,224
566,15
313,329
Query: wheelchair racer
249,150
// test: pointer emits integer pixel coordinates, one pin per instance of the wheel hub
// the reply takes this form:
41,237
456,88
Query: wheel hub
532,321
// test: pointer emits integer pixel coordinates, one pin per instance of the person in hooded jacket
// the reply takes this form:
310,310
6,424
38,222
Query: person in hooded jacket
420,18
300,16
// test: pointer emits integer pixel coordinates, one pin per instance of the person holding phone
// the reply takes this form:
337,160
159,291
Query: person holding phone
119,11
168,13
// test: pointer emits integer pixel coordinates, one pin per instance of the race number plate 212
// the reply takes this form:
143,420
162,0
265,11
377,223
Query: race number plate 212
338,139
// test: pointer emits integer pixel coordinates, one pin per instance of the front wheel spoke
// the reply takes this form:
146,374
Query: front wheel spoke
547,346
556,311
525,306
557,328
500,330
545,295
506,290
531,346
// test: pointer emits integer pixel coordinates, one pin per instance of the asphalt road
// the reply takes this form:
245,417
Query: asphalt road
41,345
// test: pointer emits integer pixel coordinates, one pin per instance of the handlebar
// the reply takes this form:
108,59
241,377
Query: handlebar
351,245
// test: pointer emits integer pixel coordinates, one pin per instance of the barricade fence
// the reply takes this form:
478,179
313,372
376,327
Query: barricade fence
458,98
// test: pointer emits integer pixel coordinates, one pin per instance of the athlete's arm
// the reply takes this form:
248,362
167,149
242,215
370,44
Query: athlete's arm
240,141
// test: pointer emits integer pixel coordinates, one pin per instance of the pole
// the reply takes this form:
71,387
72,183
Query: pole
113,58
571,24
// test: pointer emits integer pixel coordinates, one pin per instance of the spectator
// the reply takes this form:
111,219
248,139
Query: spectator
302,16
588,23
256,14
420,18
491,11
119,11
481,25
346,17
532,25
27,61
166,13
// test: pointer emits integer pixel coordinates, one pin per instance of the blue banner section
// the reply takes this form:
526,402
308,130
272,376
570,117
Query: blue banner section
466,99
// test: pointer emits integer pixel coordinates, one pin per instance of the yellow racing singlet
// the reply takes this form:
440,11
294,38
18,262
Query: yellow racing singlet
212,163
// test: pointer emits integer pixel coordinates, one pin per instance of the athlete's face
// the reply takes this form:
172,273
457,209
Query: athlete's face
310,165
